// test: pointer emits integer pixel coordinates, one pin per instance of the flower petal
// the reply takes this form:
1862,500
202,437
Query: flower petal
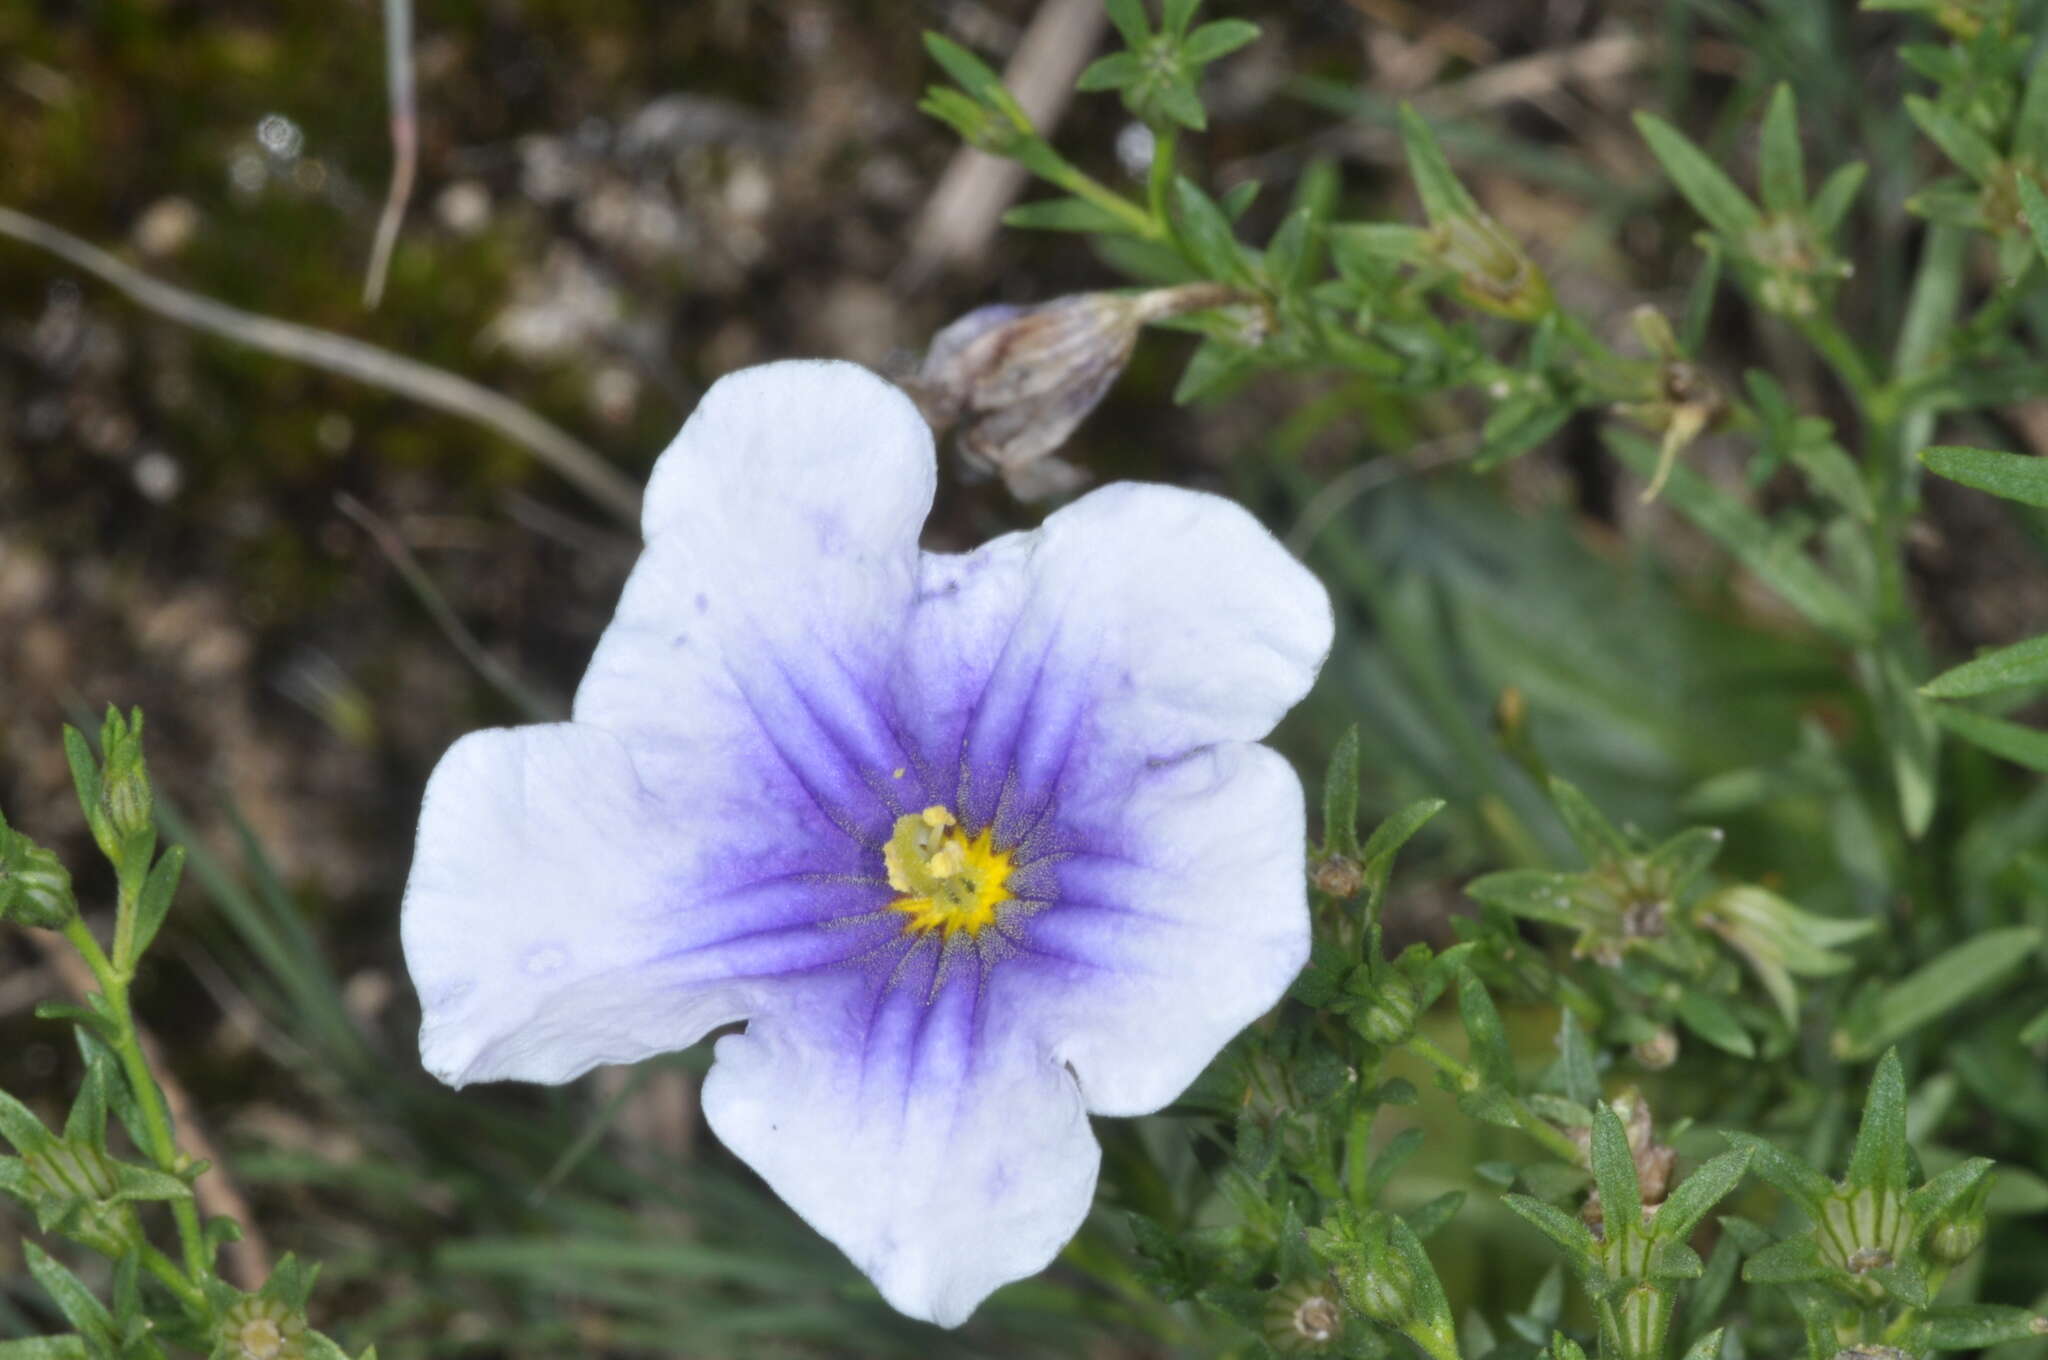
1137,624
561,914
924,1134
1180,917
780,566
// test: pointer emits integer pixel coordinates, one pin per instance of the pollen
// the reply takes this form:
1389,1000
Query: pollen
951,883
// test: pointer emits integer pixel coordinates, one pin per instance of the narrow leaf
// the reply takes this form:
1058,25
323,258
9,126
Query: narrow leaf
1782,168
1340,796
1698,1193
2021,745
1952,978
1712,194
2012,476
2023,663
1614,1168
1881,1159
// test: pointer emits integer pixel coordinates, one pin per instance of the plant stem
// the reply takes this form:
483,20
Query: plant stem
1526,1119
149,1101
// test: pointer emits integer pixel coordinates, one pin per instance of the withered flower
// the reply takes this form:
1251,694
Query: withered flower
1018,380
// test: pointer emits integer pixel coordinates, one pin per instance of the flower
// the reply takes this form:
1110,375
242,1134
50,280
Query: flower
976,845
1019,380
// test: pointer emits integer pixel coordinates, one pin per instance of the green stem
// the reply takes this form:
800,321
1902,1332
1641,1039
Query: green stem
1872,397
175,1280
1526,1119
149,1100
1160,178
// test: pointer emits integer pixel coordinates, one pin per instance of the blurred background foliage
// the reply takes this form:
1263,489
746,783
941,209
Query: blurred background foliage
620,201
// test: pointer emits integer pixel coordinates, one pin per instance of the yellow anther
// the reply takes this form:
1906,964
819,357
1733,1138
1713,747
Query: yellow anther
950,881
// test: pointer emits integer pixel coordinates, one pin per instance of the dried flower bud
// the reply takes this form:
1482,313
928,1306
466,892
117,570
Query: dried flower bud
1658,1051
1337,876
1019,379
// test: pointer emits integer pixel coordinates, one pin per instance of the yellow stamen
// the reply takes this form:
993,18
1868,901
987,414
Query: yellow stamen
950,882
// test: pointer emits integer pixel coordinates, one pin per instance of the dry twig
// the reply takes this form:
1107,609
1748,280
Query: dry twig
405,144
977,188
444,391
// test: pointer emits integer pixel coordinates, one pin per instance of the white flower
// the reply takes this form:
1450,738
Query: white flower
976,845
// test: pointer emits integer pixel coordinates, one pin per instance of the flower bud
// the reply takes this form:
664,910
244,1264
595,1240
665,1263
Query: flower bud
1388,1015
1960,1230
125,797
1383,1288
1953,1243
1494,273
1305,1319
257,1328
1020,379
35,890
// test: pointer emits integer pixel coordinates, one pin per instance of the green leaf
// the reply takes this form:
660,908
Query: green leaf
1443,197
1399,1149
1793,1261
1218,39
976,77
1113,72
1975,966
85,775
2021,745
1705,1016
19,1126
1978,158
1129,18
1698,1193
1340,796
1214,365
1881,1159
1614,1168
1571,1236
1782,166
1938,1195
84,1312
1426,1219
1712,194
1707,1347
1489,1039
1238,198
1206,233
1386,841
45,1348
1175,15
1837,192
2012,476
2034,211
1291,254
153,903
1785,1171
1780,564
2021,664
1537,894
1967,1326
1575,1060
1598,839
1064,214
